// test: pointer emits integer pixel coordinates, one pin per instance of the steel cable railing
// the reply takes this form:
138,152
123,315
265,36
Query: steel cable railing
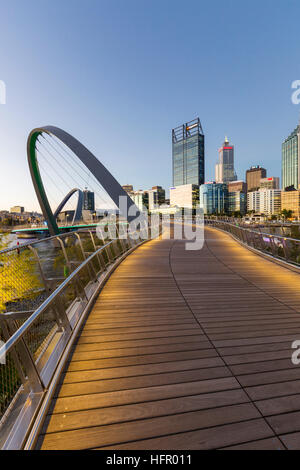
283,248
33,341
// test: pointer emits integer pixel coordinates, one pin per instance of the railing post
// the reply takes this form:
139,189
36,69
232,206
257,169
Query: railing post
6,335
35,254
285,249
109,255
272,245
95,249
64,252
120,239
35,381
84,257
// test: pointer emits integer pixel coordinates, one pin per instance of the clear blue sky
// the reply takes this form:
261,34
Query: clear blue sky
120,74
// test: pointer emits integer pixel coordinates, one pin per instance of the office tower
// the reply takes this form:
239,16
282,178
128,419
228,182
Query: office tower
264,201
88,200
290,167
237,196
157,196
269,183
188,154
186,196
270,201
237,186
253,177
253,201
225,166
214,198
237,202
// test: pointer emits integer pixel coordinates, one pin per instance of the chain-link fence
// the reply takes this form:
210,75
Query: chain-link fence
28,275
30,272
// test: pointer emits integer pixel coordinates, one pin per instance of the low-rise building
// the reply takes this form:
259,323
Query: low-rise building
128,188
149,199
17,210
234,186
269,183
185,196
290,200
140,199
157,197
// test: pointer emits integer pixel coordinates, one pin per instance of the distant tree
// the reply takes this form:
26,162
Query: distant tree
286,214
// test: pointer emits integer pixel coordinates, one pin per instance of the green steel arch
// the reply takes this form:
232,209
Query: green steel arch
78,210
103,176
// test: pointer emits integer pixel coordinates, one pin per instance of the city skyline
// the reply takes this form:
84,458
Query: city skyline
78,85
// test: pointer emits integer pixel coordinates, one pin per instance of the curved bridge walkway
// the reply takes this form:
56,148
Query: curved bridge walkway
185,350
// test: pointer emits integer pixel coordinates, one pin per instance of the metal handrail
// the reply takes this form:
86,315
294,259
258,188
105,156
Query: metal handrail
285,249
46,239
26,325
254,231
35,349
43,240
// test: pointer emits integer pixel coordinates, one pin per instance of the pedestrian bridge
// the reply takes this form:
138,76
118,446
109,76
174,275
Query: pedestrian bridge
182,350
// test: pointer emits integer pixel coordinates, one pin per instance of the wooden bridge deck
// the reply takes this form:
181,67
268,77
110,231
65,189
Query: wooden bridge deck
185,350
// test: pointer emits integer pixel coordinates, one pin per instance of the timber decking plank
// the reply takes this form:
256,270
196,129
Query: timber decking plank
181,376
113,434
177,347
147,409
101,400
204,439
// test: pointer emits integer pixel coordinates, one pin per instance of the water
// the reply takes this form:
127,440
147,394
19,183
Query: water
9,240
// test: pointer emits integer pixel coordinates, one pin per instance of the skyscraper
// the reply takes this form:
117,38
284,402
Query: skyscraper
225,166
88,200
188,153
253,177
290,167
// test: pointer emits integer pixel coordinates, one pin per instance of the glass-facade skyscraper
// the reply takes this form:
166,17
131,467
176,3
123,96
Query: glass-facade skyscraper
88,200
290,167
214,198
188,153
225,166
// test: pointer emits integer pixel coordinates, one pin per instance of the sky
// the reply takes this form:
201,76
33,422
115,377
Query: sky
120,74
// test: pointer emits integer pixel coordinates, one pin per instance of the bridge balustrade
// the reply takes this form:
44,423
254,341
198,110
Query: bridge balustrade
60,278
277,246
